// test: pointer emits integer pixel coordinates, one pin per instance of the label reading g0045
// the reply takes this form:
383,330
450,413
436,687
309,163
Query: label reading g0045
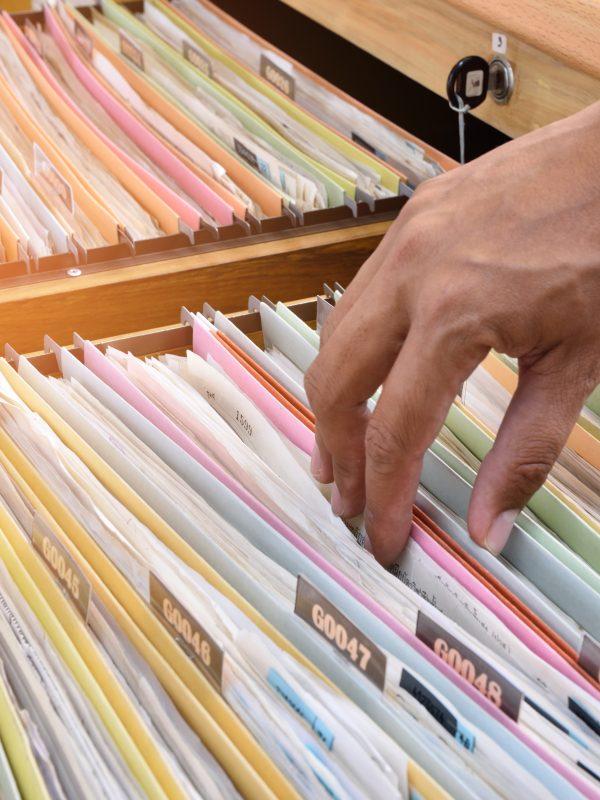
470,666
332,625
186,631
74,583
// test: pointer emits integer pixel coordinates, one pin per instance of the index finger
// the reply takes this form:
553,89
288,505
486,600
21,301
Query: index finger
349,368
417,394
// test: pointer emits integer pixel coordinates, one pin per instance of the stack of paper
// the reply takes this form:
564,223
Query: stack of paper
223,632
127,128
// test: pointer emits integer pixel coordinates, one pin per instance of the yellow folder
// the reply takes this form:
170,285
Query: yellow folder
110,584
151,771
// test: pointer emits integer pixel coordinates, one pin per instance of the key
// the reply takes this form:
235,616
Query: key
467,87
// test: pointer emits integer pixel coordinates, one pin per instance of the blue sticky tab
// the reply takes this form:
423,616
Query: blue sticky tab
464,736
293,699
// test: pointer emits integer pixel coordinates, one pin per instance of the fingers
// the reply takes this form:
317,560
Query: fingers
321,464
542,412
413,406
350,367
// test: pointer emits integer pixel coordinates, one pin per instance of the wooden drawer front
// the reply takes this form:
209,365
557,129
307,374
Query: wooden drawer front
425,38
104,303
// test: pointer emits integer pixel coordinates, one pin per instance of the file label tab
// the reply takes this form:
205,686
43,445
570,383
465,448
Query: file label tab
66,571
197,59
484,677
276,76
315,609
187,632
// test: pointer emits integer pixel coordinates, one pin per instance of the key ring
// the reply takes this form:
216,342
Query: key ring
461,110
466,88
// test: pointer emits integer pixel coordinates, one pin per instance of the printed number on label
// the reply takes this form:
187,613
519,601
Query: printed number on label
337,633
185,629
241,420
58,563
466,669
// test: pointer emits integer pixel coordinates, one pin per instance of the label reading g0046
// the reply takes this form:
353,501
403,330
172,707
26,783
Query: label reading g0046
332,625
74,583
186,631
470,666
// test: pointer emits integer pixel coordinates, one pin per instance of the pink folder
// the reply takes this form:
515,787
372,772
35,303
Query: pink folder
139,133
184,210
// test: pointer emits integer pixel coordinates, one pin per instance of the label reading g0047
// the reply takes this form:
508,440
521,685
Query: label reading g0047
470,666
66,571
186,631
332,625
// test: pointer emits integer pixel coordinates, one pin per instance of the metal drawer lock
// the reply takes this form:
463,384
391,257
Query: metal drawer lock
471,80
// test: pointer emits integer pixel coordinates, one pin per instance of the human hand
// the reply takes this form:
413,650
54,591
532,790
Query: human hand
502,253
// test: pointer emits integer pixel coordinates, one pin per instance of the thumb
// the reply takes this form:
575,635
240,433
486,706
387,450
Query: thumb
537,423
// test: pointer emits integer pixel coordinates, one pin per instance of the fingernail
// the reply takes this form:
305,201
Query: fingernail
316,464
337,504
499,531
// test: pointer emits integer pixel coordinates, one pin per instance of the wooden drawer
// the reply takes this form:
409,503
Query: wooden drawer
114,296
552,45
119,299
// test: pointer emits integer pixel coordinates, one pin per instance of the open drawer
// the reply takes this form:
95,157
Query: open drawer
126,287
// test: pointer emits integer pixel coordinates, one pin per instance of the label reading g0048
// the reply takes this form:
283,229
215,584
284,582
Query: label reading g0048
66,571
470,666
186,631
332,625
